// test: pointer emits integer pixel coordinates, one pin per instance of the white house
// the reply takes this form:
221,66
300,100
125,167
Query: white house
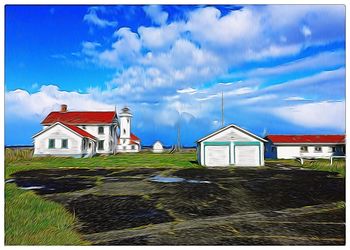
78,133
231,145
304,146
157,147
128,142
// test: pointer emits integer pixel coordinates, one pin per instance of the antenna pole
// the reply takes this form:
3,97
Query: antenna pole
222,109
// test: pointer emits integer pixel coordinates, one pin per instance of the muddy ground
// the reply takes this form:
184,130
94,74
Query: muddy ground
274,205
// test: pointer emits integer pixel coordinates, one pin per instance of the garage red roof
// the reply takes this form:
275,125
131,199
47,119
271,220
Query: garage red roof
80,131
80,117
306,138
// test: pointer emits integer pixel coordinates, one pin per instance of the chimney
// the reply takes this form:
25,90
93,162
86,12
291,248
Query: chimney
63,108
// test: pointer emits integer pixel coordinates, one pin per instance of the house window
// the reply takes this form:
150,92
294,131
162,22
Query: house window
84,127
124,148
64,143
100,130
318,149
273,149
124,131
51,143
303,149
124,141
133,147
100,144
334,149
128,120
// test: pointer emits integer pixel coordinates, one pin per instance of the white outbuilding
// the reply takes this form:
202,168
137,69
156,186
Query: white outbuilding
231,146
157,147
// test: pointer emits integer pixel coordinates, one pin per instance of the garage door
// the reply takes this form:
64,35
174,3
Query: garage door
217,155
247,155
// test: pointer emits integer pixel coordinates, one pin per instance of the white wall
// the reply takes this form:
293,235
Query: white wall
290,152
128,148
125,124
109,137
58,132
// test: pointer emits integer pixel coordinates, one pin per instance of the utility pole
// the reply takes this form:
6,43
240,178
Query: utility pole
178,136
222,109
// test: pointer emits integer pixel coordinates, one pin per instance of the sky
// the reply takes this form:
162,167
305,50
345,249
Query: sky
281,68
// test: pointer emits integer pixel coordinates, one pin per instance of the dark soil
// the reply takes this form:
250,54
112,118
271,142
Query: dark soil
106,213
139,171
56,185
52,173
117,199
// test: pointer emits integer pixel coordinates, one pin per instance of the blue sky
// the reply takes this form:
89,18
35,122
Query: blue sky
281,67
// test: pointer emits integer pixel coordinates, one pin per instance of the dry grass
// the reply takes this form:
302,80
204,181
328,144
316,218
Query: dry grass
18,154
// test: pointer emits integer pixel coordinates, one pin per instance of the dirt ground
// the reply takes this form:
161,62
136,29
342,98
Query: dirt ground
274,205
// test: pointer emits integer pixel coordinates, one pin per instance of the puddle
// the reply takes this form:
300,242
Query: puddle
174,179
285,168
54,185
9,180
196,181
164,179
32,188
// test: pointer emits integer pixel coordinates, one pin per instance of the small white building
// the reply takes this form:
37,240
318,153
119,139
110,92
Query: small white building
304,146
128,142
157,147
231,146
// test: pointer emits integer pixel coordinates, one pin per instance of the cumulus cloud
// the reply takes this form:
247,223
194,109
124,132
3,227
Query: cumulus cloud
156,13
155,38
91,17
47,99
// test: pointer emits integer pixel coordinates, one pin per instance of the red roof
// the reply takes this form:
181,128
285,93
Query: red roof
80,131
133,139
80,117
306,138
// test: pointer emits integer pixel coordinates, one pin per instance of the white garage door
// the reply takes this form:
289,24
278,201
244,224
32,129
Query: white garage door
217,155
247,155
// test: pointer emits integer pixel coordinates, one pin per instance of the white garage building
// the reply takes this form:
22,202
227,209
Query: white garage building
231,145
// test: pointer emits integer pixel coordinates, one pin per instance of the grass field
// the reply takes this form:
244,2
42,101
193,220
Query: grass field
338,165
31,220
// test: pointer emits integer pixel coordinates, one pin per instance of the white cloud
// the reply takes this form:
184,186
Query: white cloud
160,37
274,51
20,103
315,115
295,98
92,18
257,99
324,60
306,31
186,91
124,50
207,25
156,13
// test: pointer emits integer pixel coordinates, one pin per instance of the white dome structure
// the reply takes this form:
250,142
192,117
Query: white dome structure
158,147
